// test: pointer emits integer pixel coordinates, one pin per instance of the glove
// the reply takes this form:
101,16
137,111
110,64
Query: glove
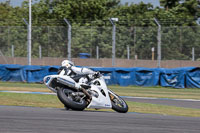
96,75
93,76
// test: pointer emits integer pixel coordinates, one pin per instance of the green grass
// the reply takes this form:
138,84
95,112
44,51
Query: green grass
162,109
33,100
53,102
21,84
19,99
158,92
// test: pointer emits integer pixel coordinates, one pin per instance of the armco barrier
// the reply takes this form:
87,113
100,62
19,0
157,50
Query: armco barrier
178,77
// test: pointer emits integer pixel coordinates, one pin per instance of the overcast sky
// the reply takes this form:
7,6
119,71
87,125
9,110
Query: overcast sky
154,2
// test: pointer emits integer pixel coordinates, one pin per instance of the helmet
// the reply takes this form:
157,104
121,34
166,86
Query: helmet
67,63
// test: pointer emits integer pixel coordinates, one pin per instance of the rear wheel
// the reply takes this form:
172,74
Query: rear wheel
69,98
118,104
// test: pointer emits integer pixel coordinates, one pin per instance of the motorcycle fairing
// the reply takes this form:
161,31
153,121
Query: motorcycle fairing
102,101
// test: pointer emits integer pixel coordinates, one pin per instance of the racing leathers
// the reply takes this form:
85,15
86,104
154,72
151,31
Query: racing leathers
79,75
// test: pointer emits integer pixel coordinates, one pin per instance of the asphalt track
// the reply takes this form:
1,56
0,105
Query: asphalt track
15,119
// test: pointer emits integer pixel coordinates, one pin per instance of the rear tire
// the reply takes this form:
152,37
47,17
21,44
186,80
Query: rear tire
70,101
118,104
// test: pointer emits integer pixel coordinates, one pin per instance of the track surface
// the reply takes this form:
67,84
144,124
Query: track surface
49,120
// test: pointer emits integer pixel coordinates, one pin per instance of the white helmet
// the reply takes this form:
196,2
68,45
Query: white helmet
67,63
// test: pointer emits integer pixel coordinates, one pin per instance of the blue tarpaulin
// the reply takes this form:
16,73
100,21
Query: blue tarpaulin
37,73
179,77
146,76
12,73
172,77
3,72
18,73
186,77
108,73
33,73
192,77
124,76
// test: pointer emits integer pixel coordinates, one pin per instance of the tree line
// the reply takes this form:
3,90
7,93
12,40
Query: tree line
91,27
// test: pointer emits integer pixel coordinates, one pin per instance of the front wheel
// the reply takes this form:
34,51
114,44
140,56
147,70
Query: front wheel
118,104
69,98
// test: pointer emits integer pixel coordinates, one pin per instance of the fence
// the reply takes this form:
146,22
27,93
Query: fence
177,43
104,62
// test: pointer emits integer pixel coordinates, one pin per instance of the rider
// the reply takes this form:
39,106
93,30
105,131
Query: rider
80,75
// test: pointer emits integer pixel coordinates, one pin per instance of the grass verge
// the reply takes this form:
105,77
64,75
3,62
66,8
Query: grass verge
162,109
53,102
158,92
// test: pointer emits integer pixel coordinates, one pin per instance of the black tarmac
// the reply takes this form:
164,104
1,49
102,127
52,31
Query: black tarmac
15,119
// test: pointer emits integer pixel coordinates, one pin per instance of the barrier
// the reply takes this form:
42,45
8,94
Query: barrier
172,77
12,73
109,74
192,77
147,76
124,76
187,77
30,74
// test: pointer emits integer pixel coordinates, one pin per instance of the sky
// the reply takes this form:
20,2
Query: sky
154,2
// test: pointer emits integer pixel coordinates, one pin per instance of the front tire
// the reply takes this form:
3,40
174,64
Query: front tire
118,104
71,101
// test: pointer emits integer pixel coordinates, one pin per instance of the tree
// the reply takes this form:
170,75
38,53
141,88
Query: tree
168,4
91,27
134,15
80,11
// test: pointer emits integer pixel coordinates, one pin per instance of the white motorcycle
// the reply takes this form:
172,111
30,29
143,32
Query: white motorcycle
95,94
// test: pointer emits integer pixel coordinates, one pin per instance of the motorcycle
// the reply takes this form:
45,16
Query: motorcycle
94,94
